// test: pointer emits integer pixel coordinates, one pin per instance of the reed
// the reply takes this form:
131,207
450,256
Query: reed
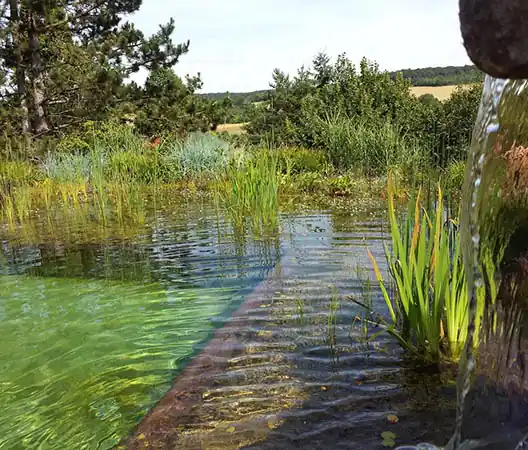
249,191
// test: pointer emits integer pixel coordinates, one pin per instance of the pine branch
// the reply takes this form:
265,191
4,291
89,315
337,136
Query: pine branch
78,16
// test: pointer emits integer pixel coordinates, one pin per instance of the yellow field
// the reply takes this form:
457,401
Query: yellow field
231,128
440,92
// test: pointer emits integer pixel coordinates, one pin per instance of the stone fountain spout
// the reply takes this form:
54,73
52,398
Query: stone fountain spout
495,35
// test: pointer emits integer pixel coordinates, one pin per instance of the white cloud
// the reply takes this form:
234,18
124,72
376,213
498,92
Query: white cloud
236,44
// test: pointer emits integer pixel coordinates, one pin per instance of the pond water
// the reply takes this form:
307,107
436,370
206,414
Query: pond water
94,331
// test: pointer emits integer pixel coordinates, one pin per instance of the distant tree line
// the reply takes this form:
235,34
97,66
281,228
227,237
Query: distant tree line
442,76
242,102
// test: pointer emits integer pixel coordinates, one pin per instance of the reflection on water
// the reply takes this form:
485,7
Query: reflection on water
496,225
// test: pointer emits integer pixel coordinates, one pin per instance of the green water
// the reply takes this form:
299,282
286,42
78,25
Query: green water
75,362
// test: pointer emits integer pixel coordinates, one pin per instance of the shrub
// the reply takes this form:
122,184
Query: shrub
200,154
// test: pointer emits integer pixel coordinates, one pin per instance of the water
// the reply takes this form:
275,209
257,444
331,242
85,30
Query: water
96,326
94,332
492,386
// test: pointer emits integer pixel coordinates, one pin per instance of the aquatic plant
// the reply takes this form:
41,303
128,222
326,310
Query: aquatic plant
428,313
250,190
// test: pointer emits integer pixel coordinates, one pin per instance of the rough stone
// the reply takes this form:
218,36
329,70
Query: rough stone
495,35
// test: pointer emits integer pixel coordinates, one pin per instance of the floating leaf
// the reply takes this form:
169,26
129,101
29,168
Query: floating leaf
231,429
392,418
388,439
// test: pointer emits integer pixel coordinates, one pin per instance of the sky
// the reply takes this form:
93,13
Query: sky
236,44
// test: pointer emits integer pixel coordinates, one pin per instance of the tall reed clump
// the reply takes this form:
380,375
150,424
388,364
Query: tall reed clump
372,147
428,313
249,191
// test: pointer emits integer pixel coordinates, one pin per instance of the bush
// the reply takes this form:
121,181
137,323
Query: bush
201,154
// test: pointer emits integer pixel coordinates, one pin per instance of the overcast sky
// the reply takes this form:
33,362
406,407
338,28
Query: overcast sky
236,44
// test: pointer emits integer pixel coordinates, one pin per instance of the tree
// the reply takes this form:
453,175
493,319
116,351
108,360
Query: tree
71,58
168,103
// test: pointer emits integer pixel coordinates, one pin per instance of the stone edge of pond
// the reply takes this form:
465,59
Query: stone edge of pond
158,429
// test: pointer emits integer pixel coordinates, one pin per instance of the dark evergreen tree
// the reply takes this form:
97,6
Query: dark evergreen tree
64,62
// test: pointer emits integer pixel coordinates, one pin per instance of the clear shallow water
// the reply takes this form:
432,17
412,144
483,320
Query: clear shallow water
94,331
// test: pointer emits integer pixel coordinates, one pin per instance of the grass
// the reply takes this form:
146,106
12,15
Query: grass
428,313
249,191
369,147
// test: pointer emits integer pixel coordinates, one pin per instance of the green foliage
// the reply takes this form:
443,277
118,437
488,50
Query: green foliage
458,118
70,66
453,177
442,76
249,191
18,172
167,103
371,147
68,167
431,76
364,118
429,311
298,105
429,100
199,155
295,160
140,166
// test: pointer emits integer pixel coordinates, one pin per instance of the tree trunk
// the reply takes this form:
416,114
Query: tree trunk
20,71
40,123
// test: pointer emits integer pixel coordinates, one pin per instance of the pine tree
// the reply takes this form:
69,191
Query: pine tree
64,62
